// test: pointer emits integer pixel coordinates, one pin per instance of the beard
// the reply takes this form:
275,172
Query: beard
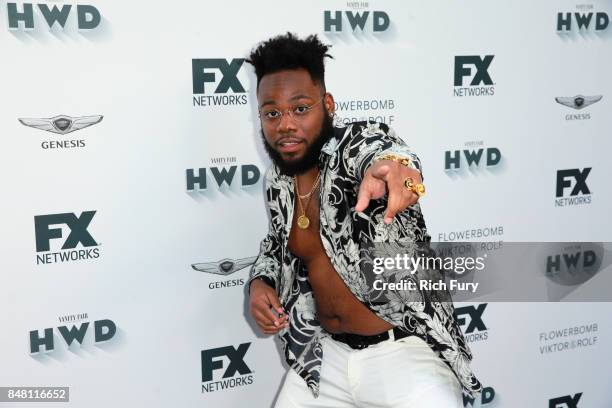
310,157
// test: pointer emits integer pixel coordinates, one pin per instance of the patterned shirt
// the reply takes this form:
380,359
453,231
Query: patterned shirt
343,162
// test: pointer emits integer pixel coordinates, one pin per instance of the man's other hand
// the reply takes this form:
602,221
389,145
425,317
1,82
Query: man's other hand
266,308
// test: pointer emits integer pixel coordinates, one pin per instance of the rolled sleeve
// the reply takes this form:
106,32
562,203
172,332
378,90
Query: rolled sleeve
374,141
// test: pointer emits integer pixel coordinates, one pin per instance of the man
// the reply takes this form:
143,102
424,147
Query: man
331,191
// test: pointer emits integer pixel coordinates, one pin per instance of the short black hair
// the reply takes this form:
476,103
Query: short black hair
287,51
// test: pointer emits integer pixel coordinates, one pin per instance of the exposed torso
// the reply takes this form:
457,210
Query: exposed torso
338,310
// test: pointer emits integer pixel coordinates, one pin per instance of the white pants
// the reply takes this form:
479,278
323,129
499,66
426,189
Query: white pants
391,374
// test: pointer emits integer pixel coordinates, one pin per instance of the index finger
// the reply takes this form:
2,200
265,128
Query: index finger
363,197
265,310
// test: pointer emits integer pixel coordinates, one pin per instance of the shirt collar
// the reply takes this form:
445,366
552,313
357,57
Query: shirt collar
332,144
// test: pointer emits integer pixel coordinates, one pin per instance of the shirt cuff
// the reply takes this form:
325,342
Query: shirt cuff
266,279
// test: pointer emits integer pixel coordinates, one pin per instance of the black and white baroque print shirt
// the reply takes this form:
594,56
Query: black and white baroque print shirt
343,162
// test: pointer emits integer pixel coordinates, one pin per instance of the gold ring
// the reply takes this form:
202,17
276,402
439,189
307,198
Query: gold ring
418,189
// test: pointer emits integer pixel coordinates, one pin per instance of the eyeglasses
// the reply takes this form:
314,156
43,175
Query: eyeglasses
297,112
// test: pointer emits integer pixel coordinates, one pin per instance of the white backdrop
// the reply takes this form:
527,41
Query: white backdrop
134,68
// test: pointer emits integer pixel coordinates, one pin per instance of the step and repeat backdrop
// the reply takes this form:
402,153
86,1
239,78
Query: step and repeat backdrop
131,170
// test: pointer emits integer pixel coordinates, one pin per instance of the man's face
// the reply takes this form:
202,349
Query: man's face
294,142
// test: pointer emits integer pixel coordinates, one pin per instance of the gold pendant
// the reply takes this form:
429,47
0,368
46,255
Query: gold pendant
303,221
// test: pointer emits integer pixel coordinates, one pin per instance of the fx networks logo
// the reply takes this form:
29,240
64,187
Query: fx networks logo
487,396
216,82
222,176
578,102
61,125
22,16
583,20
225,267
472,158
224,368
72,229
566,401
358,18
472,76
471,321
574,182
104,330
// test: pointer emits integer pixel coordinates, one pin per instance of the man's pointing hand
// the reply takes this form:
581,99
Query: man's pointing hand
388,176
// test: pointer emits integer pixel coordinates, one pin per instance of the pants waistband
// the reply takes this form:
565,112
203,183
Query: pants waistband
358,342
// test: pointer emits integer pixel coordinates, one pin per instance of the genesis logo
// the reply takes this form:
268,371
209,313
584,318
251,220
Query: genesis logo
227,88
61,125
237,373
578,102
475,67
225,267
88,17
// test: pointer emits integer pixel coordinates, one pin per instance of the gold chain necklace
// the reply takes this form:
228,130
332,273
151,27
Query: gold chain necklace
314,186
303,222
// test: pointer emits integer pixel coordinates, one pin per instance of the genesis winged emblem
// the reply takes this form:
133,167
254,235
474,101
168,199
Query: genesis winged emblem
225,266
578,101
61,124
